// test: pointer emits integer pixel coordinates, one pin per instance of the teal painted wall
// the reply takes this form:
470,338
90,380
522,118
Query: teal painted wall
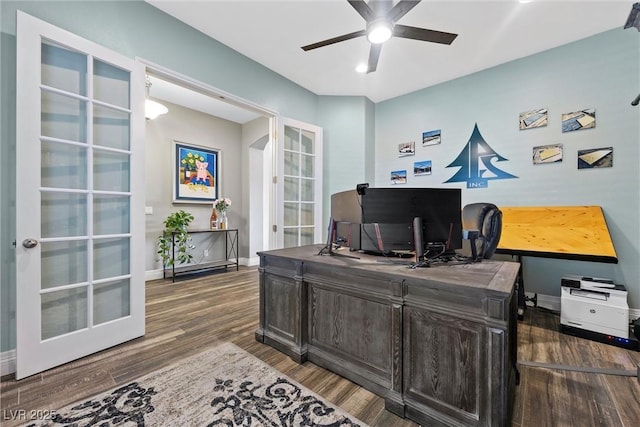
347,123
600,72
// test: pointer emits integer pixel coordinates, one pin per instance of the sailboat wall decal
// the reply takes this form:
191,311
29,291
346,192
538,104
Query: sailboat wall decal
475,160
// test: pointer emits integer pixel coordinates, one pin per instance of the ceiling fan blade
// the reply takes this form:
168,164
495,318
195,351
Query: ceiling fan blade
401,9
374,55
363,9
423,34
334,40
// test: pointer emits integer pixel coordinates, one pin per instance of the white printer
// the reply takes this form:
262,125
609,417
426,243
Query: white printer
594,304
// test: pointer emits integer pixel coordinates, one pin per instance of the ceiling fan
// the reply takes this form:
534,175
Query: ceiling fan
381,17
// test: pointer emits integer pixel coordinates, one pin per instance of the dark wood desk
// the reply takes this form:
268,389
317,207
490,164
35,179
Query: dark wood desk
439,343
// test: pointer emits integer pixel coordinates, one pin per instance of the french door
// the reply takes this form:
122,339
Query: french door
79,197
298,184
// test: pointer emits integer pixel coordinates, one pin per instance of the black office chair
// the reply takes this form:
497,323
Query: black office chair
482,225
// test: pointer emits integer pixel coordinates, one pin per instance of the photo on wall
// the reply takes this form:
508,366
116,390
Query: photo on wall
533,119
399,177
584,119
422,168
595,158
547,154
431,137
406,149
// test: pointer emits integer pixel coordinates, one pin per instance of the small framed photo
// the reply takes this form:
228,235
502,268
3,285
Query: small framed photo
406,149
547,154
584,119
533,119
422,168
399,177
431,137
196,172
595,158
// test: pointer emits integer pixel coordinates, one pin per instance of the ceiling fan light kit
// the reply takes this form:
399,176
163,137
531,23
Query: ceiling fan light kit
379,31
381,26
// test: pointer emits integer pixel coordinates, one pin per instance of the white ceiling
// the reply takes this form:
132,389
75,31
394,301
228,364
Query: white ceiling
490,33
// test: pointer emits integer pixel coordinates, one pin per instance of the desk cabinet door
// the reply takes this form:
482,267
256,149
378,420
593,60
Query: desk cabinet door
447,373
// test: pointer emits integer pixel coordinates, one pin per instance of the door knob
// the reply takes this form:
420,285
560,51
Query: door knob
29,243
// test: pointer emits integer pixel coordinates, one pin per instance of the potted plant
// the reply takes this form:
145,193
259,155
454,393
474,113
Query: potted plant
175,234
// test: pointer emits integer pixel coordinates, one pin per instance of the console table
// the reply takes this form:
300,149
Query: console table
230,259
439,344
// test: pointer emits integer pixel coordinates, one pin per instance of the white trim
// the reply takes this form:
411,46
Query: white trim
250,262
7,362
203,88
153,274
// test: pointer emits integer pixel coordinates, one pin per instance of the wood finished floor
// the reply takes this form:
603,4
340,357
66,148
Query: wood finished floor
186,317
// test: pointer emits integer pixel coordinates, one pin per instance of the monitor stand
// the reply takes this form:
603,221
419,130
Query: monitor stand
327,249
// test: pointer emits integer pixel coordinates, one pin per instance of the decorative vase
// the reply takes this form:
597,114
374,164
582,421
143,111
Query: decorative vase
213,220
222,220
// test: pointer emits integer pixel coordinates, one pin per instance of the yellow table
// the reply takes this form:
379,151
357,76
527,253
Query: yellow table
566,232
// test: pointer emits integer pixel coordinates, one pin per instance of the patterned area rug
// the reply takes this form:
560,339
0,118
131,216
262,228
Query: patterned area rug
223,386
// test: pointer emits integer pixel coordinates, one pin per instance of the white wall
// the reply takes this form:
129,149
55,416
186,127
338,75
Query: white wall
192,127
256,163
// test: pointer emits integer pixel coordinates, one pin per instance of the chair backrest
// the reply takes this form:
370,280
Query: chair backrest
487,219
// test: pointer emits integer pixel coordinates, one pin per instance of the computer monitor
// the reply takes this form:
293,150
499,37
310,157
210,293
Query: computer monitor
394,210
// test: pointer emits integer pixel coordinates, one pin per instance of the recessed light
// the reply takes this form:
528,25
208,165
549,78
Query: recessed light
362,68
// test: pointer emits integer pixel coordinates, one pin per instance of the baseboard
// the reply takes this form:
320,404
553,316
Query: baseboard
7,362
250,262
152,275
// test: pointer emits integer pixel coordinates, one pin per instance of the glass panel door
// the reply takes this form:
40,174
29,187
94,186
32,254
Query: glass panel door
301,184
77,290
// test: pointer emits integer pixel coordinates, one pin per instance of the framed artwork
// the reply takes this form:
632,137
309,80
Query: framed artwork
399,177
406,149
547,154
196,172
431,137
584,119
595,158
422,168
533,119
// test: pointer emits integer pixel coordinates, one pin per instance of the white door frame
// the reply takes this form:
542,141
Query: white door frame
267,166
